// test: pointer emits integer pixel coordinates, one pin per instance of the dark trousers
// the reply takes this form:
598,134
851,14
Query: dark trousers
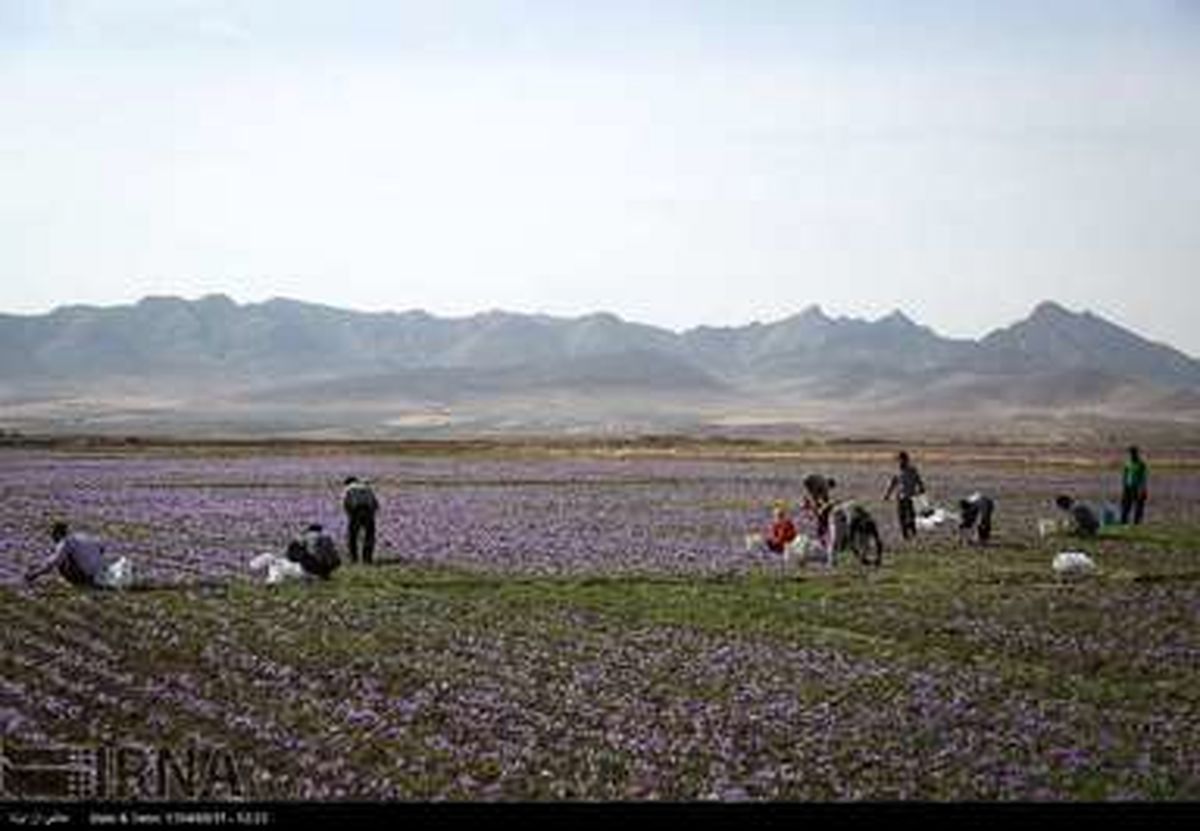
1135,500
985,523
907,515
362,524
864,533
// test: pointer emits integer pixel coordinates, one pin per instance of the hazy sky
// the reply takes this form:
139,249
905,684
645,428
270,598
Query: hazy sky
674,162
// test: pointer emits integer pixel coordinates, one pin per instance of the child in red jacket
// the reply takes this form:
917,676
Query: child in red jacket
777,537
782,531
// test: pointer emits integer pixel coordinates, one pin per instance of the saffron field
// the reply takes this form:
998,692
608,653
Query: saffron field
591,626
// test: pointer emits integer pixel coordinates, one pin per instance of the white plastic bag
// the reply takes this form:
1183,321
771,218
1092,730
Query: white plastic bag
277,568
260,562
117,574
283,569
1073,564
931,520
936,518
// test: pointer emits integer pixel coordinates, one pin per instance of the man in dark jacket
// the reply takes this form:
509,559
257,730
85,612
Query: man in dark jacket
907,485
360,505
315,552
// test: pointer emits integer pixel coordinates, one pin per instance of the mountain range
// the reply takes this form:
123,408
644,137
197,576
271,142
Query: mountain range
283,366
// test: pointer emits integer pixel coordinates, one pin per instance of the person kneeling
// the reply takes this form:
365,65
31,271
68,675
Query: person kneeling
779,536
315,552
312,554
782,532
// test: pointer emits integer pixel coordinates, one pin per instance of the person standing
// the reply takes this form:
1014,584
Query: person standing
1133,488
818,500
360,505
907,485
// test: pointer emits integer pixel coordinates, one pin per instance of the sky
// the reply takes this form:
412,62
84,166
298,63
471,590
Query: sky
677,163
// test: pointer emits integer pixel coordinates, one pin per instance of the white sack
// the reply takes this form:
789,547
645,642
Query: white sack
117,574
1073,564
277,568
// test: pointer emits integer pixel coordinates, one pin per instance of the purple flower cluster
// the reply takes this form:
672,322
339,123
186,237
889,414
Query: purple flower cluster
182,518
948,676
566,706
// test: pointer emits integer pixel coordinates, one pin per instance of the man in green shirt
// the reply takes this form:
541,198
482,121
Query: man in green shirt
1133,488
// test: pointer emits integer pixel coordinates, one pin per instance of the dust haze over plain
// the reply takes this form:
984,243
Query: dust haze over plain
676,163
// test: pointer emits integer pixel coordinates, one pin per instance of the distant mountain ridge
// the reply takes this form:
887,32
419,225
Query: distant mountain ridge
214,353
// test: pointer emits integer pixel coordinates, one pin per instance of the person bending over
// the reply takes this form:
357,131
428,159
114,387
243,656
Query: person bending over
976,515
1084,521
852,528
